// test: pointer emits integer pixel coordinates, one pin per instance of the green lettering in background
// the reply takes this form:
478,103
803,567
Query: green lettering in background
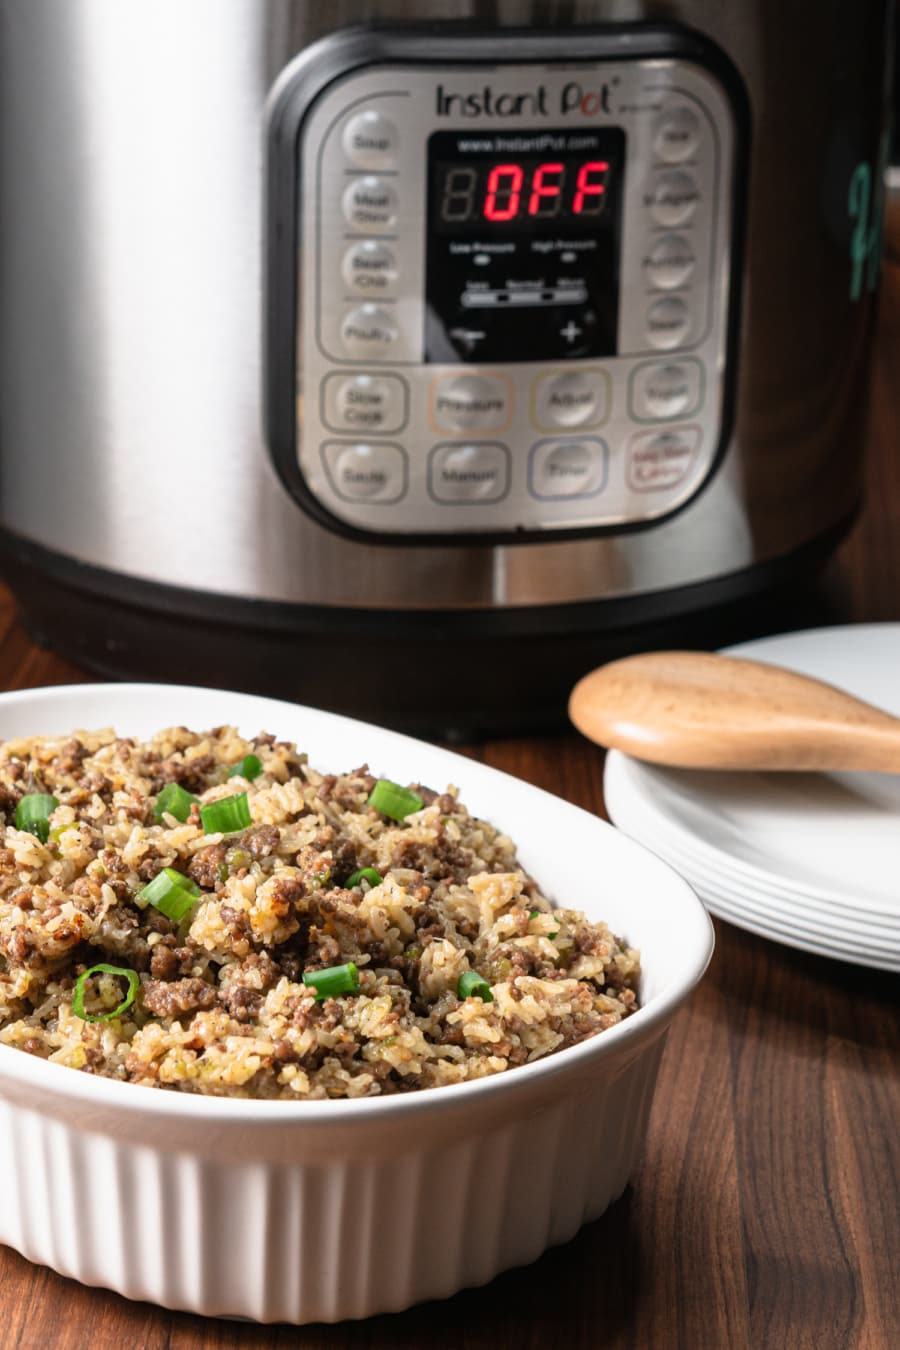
864,207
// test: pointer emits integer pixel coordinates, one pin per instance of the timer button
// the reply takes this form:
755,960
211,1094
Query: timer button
676,135
568,468
370,140
368,331
369,268
478,472
364,403
572,399
661,390
366,473
370,203
667,322
657,461
469,402
670,262
673,199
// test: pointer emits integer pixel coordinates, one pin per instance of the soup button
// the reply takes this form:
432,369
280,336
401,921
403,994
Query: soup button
569,468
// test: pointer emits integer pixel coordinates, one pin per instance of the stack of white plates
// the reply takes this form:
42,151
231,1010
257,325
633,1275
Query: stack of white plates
810,860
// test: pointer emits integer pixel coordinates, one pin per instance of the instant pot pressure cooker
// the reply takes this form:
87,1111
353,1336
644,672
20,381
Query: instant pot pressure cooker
410,358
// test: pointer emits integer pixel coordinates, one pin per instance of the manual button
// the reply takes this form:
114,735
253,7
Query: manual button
569,468
571,399
477,472
366,473
470,402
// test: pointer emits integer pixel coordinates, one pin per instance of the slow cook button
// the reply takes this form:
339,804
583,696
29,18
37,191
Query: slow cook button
661,389
373,403
568,468
370,203
676,135
370,140
478,472
369,268
658,461
368,331
667,322
366,473
470,402
573,399
673,198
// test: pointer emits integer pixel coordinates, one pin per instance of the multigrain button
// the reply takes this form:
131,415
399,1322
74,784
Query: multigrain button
476,472
369,268
664,389
370,140
572,399
366,473
667,322
568,468
370,203
676,135
657,461
673,198
360,403
669,262
470,402
368,331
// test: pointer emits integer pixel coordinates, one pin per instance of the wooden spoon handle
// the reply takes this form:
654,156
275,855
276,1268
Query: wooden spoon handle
699,710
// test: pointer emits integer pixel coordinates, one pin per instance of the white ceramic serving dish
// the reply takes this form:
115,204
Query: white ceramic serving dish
318,1211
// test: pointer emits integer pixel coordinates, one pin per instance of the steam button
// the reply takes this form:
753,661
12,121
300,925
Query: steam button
667,322
368,331
370,140
370,203
369,268
676,135
673,198
366,473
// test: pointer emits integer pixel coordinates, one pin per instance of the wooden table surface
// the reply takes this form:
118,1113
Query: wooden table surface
765,1212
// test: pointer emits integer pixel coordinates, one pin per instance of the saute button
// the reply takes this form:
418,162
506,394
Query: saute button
370,140
660,460
673,198
568,468
368,331
372,403
676,135
370,203
370,268
669,262
667,322
478,472
574,399
464,402
666,389
370,473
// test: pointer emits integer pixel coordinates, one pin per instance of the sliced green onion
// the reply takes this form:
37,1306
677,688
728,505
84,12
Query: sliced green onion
393,800
532,914
226,815
172,893
333,981
551,936
174,801
473,985
250,767
58,831
364,874
78,997
33,814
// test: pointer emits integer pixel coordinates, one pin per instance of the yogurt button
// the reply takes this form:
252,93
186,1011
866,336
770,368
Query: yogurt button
666,389
574,399
676,135
478,472
368,331
667,322
370,473
466,402
673,199
370,203
568,468
369,268
370,140
670,262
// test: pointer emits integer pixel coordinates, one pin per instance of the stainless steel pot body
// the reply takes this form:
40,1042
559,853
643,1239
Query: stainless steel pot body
131,273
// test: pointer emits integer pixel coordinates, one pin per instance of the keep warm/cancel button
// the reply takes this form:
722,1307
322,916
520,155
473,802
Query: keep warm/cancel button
659,460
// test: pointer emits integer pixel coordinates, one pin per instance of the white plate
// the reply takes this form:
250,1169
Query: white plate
807,846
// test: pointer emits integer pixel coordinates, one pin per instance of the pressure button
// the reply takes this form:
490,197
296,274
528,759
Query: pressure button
467,402
370,140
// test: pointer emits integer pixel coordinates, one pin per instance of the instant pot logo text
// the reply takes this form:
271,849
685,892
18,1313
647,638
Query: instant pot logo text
574,98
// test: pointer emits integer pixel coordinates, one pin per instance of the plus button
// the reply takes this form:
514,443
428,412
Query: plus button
570,332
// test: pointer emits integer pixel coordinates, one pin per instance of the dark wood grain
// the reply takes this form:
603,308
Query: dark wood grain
766,1210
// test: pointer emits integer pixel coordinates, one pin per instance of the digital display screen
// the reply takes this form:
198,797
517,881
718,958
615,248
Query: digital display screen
524,233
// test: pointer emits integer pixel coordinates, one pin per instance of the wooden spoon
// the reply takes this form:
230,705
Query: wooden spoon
700,711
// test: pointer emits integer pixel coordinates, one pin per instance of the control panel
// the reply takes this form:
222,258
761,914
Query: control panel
513,291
